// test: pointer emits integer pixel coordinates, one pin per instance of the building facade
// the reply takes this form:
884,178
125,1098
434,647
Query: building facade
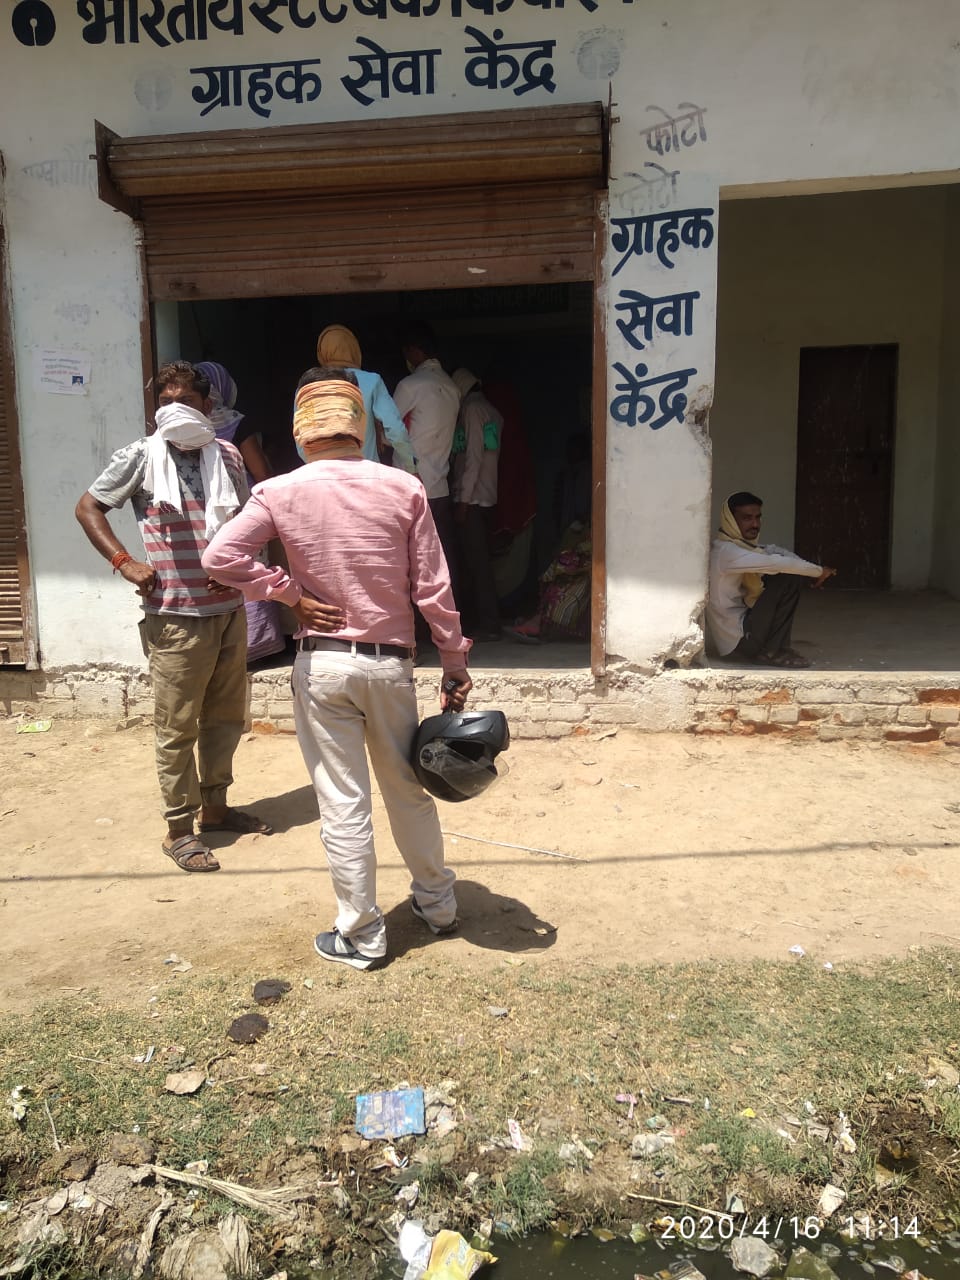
757,202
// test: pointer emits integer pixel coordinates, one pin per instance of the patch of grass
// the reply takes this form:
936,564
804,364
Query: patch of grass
391,1042
949,1119
519,1195
436,1185
64,1260
765,1036
745,1147
344,1109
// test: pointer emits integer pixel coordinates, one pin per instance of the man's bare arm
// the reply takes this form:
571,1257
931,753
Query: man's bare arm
92,516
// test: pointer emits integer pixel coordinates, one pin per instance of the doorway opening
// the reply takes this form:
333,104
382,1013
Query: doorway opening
835,403
511,200
532,346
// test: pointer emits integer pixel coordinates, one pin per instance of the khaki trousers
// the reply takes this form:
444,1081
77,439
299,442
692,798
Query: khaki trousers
344,702
199,672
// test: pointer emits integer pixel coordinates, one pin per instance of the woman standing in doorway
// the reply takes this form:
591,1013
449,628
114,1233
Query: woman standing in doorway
338,348
264,631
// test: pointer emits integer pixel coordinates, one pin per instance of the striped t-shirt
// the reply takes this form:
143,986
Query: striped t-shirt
173,541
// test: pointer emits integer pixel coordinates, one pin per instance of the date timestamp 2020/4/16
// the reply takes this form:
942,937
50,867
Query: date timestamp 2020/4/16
724,1227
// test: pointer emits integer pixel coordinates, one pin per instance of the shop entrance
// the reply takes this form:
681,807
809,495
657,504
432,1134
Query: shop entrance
378,219
532,348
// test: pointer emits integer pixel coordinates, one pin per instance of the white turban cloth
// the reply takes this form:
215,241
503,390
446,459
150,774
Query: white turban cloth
181,427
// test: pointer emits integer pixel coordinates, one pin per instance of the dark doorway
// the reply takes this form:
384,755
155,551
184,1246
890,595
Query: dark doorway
846,421
533,348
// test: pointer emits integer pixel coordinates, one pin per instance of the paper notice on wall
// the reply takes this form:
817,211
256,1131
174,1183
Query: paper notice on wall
63,373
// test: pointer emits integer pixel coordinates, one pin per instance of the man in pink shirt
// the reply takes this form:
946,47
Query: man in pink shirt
360,536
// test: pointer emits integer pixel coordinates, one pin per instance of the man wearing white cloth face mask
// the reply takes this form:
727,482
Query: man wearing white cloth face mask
184,484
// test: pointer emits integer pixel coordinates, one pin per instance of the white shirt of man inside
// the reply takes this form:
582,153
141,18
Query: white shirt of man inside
428,401
729,560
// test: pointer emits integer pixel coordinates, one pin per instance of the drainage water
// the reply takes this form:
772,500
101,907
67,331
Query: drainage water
545,1256
553,1257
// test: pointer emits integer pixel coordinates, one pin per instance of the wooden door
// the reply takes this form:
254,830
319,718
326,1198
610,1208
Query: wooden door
845,433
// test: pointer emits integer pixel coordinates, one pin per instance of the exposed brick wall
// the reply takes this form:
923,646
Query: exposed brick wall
866,707
919,707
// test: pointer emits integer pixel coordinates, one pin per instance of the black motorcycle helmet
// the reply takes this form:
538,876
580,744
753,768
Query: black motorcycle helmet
453,753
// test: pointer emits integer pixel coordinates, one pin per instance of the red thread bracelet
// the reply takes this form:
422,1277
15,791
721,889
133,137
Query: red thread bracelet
120,559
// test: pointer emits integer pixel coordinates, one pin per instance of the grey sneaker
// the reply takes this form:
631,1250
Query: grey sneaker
334,946
438,929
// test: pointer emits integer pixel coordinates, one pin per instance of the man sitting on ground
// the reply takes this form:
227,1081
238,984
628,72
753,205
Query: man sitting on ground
754,589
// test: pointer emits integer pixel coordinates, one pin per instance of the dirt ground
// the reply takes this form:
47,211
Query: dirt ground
686,849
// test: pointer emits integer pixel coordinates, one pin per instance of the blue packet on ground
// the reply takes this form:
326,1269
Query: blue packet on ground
391,1114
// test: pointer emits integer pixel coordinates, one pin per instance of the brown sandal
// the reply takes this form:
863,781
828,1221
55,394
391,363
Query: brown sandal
185,848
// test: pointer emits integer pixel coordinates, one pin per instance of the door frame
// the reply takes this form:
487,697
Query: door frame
598,435
27,600
598,425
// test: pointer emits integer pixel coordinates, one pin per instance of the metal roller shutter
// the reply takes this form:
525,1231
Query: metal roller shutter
351,244
500,197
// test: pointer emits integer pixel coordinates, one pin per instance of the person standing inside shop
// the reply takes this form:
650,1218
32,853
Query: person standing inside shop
264,626
428,401
338,348
473,479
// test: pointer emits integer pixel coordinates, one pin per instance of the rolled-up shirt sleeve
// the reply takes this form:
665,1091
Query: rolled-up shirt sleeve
769,559
231,556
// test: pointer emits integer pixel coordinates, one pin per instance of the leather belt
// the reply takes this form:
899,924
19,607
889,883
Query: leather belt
328,644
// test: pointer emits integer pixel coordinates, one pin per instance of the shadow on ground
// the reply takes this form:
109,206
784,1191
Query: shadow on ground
489,920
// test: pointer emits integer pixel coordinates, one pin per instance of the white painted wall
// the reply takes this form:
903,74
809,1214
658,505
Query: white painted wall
834,270
792,92
658,471
74,286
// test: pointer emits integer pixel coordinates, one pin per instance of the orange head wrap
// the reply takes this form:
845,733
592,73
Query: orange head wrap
337,346
327,409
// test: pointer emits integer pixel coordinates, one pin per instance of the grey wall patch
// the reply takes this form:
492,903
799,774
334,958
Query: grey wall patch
152,90
598,53
74,312
64,171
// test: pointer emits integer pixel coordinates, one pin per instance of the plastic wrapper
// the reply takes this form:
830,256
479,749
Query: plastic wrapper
391,1114
446,1256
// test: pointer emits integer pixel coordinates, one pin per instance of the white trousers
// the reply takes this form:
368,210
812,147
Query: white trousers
344,702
